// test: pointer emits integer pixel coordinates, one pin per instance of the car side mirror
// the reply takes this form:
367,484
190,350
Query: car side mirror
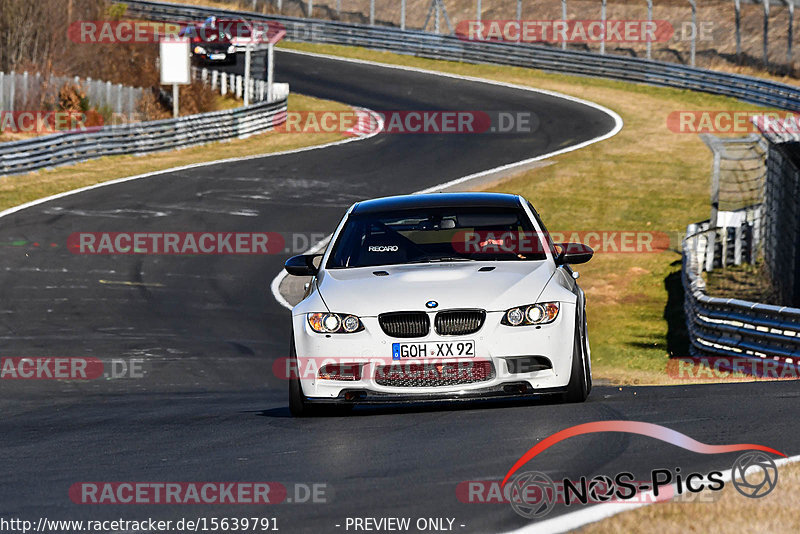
574,253
303,265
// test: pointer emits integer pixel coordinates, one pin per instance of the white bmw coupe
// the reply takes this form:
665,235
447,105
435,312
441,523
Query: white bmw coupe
439,296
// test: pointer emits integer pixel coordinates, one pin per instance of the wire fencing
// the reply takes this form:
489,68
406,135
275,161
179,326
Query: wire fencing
755,206
738,171
733,234
758,176
781,210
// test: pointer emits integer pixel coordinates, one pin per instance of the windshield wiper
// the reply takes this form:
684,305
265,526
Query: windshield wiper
440,259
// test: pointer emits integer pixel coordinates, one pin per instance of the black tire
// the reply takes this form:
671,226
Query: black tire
298,404
586,355
579,385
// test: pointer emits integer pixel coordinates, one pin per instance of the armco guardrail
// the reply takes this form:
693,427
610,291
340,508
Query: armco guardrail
139,138
436,46
730,327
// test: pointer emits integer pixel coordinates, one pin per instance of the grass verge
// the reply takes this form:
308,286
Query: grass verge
18,189
645,179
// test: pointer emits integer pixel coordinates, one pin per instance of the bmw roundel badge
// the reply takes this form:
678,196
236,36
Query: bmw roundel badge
431,304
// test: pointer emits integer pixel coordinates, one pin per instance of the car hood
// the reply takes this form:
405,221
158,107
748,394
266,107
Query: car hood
451,285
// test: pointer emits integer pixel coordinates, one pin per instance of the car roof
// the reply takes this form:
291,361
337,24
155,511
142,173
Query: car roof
437,200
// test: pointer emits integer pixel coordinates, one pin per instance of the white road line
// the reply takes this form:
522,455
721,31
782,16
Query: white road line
276,282
592,514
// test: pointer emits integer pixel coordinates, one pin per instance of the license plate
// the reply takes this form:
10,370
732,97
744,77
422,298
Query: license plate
433,349
217,56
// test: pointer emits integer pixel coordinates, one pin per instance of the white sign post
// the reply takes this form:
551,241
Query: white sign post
270,70
276,32
176,67
247,60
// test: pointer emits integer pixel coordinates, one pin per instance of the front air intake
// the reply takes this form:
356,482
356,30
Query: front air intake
459,322
405,324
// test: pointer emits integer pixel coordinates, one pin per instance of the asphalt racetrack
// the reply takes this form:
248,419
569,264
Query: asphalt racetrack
206,331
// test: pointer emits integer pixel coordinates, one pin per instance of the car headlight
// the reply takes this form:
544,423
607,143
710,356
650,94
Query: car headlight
199,50
334,323
542,313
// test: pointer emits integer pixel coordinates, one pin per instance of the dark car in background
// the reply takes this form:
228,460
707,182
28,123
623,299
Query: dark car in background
243,33
210,45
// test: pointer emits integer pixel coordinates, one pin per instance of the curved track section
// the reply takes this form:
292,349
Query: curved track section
218,310
208,332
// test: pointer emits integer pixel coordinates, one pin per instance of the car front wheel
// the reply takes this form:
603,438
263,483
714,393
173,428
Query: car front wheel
579,385
298,404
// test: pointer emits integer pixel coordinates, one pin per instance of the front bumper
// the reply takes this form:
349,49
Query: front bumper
371,350
215,57
510,390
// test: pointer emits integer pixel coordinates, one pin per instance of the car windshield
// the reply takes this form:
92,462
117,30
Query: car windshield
429,235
